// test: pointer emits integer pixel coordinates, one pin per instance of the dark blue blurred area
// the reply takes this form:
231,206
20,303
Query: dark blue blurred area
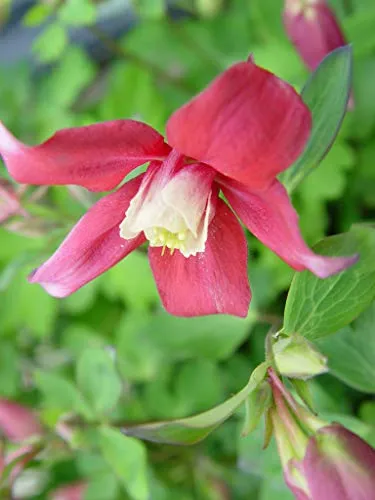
115,17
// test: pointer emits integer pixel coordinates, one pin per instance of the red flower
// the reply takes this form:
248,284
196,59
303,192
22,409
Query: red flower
237,135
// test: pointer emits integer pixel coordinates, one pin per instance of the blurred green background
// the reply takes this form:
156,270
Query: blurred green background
165,367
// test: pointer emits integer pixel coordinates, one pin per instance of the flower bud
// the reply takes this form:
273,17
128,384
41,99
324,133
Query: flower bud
314,30
320,461
17,422
73,491
295,357
209,8
339,465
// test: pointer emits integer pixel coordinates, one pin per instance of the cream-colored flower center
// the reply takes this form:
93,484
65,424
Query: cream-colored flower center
173,213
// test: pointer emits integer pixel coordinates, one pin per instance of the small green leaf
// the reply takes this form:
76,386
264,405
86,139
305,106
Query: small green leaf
102,485
351,352
197,337
51,43
60,394
257,403
150,9
127,457
326,94
193,429
78,13
37,14
318,307
98,380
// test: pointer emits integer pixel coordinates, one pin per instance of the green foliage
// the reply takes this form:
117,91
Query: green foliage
77,13
351,352
50,45
316,308
127,457
98,380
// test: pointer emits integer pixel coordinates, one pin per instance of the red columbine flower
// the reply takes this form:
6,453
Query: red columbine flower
235,136
321,461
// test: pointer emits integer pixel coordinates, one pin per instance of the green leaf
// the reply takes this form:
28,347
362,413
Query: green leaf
326,94
131,280
151,9
51,43
315,307
77,13
202,337
10,376
127,457
98,380
351,352
60,394
102,485
36,311
193,429
70,76
37,14
138,359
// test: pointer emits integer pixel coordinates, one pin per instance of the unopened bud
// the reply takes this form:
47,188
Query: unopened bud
296,357
73,491
320,461
209,8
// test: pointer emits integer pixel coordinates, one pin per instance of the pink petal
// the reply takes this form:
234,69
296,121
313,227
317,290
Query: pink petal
93,246
338,465
248,124
215,281
97,156
17,422
314,31
270,216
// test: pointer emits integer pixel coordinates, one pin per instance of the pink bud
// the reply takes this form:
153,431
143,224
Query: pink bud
73,491
313,29
321,461
339,465
17,422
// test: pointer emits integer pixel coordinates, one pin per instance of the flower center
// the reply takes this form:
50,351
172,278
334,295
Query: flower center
161,237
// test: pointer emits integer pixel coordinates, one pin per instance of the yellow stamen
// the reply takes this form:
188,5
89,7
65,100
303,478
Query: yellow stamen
166,239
